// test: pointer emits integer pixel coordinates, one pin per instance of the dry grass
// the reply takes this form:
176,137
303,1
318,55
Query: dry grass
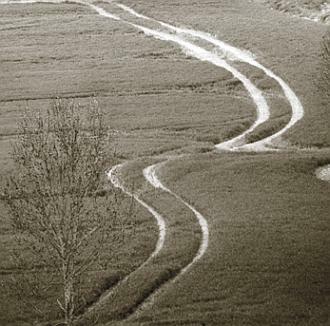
267,262
293,50
26,297
181,244
268,259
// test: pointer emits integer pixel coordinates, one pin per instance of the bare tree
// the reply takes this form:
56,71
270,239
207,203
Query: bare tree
53,196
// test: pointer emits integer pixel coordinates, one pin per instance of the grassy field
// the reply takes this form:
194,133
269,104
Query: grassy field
267,261
25,299
181,243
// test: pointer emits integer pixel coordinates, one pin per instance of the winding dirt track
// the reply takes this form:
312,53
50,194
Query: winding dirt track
151,176
176,35
236,143
237,54
112,175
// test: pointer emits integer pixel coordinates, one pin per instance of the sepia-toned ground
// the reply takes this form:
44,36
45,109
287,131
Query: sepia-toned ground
267,261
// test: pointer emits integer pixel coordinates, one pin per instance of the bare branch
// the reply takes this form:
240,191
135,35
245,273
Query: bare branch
52,197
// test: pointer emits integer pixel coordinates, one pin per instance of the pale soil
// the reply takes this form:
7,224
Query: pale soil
323,173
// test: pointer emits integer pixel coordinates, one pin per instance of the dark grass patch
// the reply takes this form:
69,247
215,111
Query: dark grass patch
105,284
267,129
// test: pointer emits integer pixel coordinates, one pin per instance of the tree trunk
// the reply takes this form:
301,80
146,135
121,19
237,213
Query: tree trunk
68,289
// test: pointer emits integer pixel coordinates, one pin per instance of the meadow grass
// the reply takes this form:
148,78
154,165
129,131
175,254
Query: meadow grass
30,290
268,259
267,263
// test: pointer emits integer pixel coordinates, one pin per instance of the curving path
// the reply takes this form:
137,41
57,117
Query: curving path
235,144
113,177
237,54
151,176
